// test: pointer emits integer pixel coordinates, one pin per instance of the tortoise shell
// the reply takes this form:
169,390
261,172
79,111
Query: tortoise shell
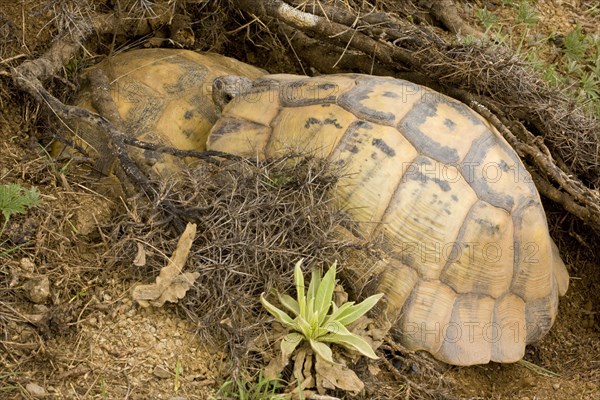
472,273
164,97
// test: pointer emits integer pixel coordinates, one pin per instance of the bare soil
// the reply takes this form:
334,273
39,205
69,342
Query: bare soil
87,339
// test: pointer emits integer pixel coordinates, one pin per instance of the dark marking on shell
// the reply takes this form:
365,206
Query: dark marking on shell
416,175
463,247
189,114
450,124
311,121
353,99
487,226
303,92
411,124
517,218
145,109
193,75
408,259
352,137
226,126
332,121
384,147
359,124
471,169
391,95
203,106
539,316
454,197
326,86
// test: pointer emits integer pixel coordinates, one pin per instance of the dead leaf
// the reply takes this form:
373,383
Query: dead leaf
171,284
336,376
273,370
339,295
374,370
140,257
372,331
299,370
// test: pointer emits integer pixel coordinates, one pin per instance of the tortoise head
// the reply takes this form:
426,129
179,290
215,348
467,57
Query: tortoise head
226,88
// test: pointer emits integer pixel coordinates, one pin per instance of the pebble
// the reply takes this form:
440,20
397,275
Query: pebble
38,289
35,390
556,386
27,265
161,372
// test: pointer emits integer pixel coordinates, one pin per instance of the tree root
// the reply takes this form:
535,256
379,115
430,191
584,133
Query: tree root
446,12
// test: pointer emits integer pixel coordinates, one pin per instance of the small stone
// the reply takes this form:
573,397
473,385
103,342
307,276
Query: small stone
27,265
40,309
35,390
38,289
160,372
556,386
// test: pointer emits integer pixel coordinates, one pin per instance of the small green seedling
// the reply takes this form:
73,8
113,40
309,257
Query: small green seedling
177,383
312,320
15,200
103,389
264,389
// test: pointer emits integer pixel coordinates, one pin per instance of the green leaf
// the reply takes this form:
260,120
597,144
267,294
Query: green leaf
299,281
315,282
353,313
337,312
325,293
289,344
320,331
322,350
310,310
288,302
352,342
15,200
335,327
303,326
280,315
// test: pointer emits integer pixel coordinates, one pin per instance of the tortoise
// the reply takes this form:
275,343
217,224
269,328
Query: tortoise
472,274
163,96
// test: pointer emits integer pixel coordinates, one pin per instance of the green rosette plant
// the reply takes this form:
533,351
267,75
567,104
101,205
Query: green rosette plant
317,319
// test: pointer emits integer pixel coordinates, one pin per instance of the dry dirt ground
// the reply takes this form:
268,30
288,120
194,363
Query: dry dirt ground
86,339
